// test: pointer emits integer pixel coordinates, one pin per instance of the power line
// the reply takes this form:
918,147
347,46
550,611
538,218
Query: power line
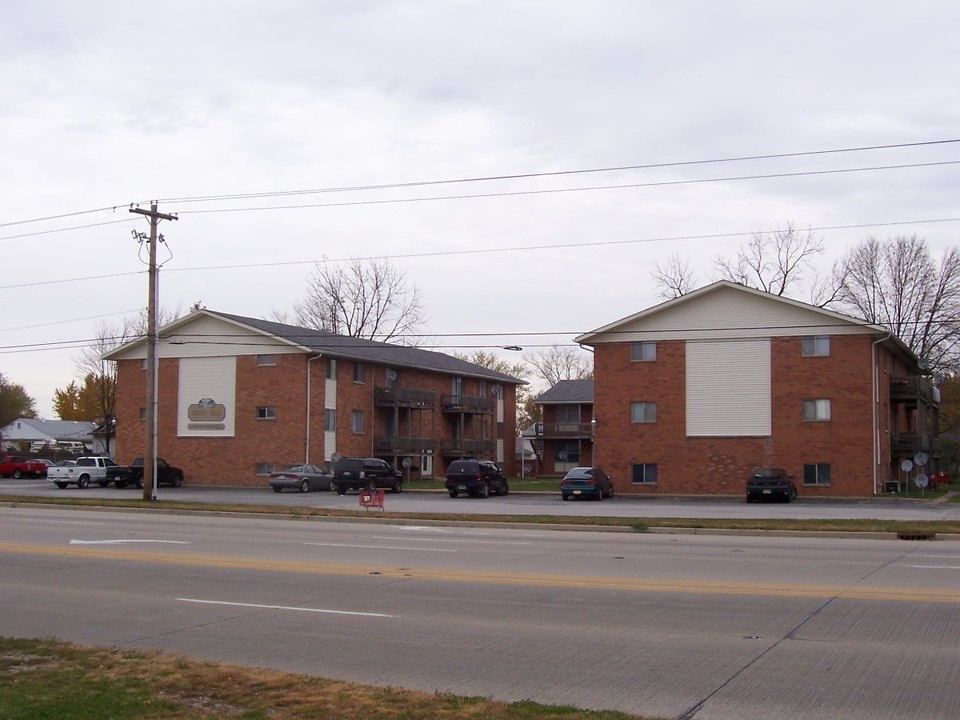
487,251
60,230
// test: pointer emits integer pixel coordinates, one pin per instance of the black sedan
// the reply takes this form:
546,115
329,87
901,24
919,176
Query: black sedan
303,478
589,482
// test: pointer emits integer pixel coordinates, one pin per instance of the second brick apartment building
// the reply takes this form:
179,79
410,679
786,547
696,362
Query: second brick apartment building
239,397
691,395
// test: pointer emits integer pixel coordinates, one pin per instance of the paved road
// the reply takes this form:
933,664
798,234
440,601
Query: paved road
526,503
712,628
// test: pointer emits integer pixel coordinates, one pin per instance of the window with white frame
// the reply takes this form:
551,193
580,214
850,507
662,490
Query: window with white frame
644,351
267,360
266,412
816,474
330,420
264,468
644,474
816,410
643,412
815,346
358,422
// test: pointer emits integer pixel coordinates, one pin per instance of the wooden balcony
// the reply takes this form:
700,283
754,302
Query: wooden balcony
905,444
467,448
396,445
565,431
403,397
916,389
469,404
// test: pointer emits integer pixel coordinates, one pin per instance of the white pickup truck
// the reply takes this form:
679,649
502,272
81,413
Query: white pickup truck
87,470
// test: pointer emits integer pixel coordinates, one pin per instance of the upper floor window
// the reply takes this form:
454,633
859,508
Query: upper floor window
266,360
331,368
358,422
267,412
816,410
329,420
456,388
358,372
568,413
815,346
143,363
645,351
643,412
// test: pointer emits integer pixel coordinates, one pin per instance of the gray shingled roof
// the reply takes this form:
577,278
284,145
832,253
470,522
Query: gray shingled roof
351,348
568,391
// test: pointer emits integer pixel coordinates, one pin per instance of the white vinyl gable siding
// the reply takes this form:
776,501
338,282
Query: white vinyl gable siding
206,397
727,313
728,388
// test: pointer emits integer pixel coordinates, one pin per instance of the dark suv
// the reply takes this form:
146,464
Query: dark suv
477,478
771,483
362,473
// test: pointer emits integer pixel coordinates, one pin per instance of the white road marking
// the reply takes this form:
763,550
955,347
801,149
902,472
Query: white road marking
380,547
125,542
936,567
448,540
283,607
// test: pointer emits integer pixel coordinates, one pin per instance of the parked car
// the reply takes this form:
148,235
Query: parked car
18,466
300,477
357,473
589,482
83,472
47,463
65,463
132,474
477,478
771,483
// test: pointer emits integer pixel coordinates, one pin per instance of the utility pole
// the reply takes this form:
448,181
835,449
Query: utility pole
150,452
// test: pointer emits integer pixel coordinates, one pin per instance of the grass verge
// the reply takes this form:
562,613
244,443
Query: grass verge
636,524
42,679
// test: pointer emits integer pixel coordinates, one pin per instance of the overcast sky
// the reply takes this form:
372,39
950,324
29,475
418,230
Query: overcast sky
109,103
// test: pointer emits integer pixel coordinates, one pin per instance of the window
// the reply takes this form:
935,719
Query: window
266,360
143,413
143,363
267,412
645,474
816,410
330,420
358,422
358,372
331,369
643,412
643,351
815,346
568,453
456,388
816,474
264,468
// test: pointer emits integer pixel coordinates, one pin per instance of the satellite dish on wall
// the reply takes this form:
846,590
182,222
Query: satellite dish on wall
391,376
335,457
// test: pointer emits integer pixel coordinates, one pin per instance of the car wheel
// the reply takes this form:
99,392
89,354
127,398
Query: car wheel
140,483
61,485
485,490
787,498
17,474
749,499
565,496
599,494
176,481
304,485
610,494
397,487
276,489
504,489
119,485
340,489
102,483
83,482
453,493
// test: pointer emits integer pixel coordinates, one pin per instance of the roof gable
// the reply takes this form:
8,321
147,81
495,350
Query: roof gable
728,310
567,391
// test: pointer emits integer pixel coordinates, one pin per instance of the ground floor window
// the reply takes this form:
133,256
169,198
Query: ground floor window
357,422
644,474
264,468
816,474
568,453
266,412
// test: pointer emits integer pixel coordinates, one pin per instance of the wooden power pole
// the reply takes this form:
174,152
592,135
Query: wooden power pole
150,452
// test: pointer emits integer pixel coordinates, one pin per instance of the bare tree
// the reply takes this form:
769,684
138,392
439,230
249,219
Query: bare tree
772,261
566,362
367,299
899,285
674,278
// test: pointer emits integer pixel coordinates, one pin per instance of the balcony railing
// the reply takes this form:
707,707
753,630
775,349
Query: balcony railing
909,443
396,445
914,388
467,448
566,430
403,397
468,404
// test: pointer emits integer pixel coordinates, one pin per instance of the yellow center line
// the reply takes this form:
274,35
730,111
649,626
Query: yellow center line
526,579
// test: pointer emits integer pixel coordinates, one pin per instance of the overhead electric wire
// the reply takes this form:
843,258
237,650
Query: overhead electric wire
66,229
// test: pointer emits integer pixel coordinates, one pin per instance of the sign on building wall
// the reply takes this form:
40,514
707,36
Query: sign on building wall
206,398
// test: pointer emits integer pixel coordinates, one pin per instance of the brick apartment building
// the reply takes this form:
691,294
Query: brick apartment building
564,439
238,397
692,394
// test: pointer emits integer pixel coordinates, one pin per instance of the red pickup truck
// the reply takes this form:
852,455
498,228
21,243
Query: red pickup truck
18,466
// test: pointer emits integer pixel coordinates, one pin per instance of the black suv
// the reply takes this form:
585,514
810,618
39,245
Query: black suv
771,483
477,478
365,473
